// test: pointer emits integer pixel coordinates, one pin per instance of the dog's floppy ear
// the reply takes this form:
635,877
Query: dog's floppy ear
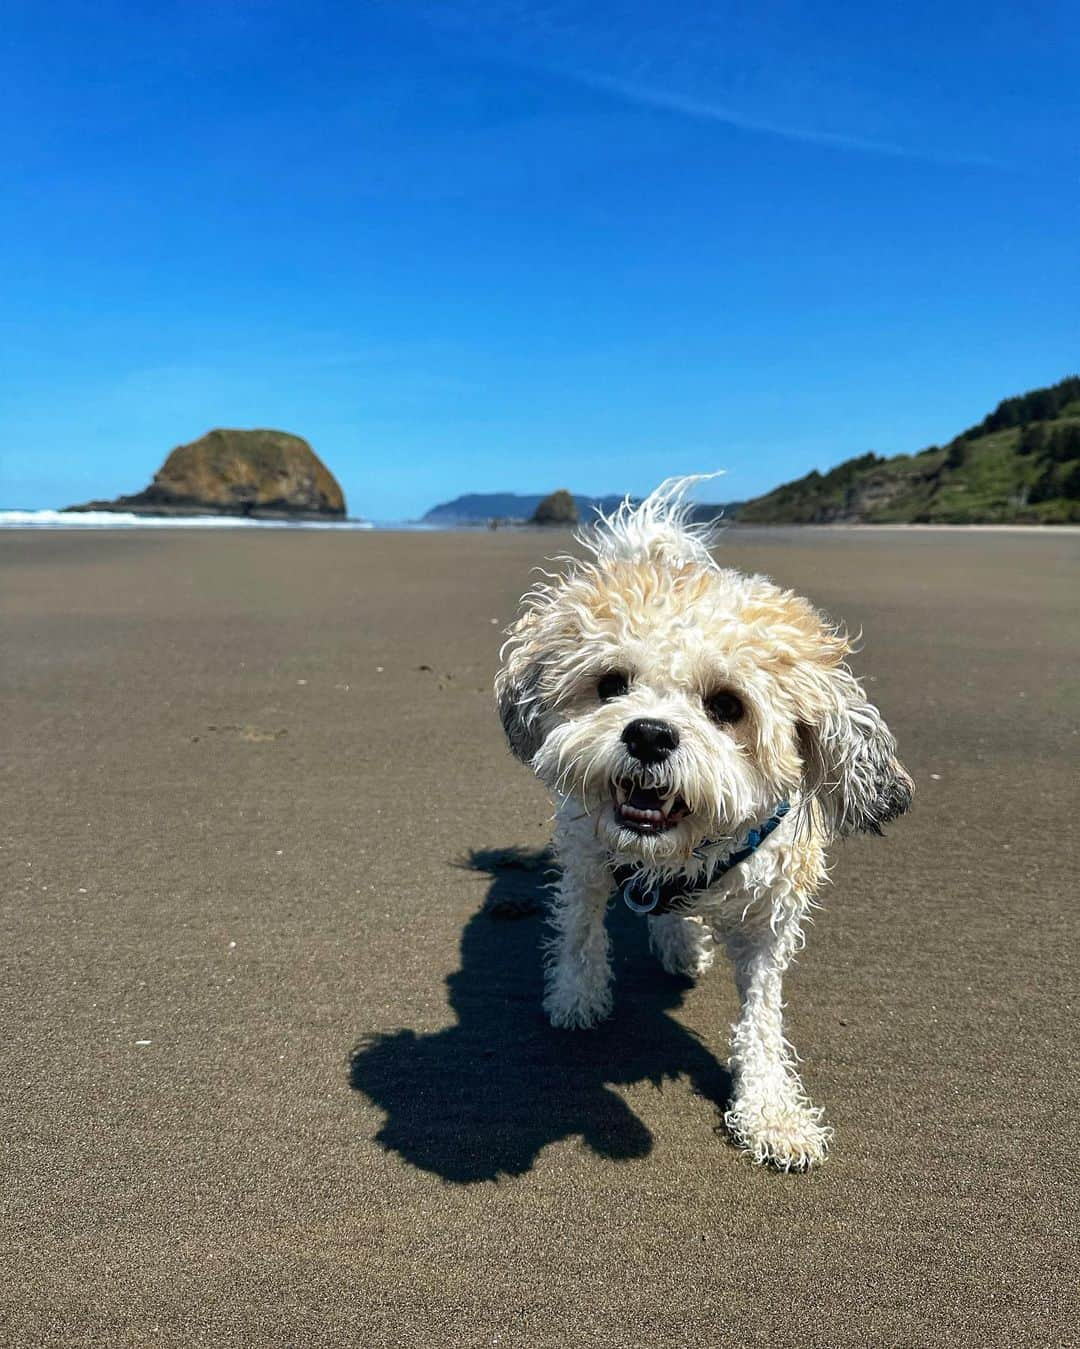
517,691
850,763
518,712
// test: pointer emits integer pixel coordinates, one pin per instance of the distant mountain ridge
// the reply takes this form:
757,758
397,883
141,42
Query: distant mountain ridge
1020,464
477,508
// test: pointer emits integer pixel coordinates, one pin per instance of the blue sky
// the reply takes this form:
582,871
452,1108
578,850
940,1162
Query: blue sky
514,246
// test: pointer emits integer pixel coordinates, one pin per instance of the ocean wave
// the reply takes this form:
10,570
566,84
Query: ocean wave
12,519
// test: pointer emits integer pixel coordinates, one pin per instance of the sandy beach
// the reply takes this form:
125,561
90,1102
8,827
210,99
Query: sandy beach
275,1071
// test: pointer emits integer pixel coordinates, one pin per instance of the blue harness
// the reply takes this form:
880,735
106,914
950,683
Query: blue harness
673,895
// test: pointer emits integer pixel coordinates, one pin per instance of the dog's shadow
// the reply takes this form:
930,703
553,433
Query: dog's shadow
481,1099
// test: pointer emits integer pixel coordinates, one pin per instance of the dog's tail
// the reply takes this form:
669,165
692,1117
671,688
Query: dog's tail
663,526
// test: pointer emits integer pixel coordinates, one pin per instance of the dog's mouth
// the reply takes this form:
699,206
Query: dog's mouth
647,810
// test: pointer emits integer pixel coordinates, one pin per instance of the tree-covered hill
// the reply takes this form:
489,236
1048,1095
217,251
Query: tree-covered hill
1019,464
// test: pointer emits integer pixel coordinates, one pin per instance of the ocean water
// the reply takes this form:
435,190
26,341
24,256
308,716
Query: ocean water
12,519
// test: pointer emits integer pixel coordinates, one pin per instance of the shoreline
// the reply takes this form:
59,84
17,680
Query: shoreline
104,521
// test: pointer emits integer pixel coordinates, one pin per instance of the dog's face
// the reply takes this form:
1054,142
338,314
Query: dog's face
678,703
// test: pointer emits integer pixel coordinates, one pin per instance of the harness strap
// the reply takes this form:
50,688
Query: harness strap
673,894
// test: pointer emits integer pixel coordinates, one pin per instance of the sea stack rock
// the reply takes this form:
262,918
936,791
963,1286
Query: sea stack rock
559,508
265,474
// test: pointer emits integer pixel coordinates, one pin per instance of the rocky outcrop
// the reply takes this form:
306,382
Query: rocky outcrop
263,474
559,508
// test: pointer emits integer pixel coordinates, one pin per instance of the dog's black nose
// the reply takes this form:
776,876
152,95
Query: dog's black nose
650,741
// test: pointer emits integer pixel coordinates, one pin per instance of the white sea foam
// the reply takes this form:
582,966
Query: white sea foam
124,520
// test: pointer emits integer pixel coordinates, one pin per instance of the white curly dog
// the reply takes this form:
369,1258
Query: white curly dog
705,741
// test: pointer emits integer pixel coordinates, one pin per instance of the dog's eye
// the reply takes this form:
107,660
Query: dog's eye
612,685
725,707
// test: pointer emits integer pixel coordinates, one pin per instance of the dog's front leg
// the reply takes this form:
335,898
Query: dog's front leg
770,1115
683,944
578,964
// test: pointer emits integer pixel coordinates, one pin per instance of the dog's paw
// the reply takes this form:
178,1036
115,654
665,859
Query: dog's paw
789,1136
574,1011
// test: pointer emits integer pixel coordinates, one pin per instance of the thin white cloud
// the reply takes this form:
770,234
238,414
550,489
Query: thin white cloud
711,112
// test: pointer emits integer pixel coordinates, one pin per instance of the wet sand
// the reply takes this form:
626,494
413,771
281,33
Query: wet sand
274,1067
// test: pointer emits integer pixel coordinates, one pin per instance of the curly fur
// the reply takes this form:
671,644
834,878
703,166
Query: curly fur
651,603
